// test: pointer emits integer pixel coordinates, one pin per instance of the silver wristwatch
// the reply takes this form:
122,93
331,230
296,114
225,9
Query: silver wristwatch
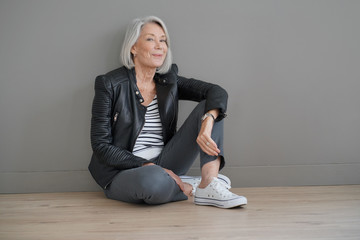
207,115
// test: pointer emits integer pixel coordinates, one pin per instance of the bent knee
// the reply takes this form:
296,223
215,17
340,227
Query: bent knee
156,186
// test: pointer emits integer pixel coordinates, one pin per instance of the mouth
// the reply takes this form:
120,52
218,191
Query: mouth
157,55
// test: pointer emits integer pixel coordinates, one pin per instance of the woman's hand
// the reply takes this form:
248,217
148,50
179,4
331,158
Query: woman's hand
186,188
176,178
204,139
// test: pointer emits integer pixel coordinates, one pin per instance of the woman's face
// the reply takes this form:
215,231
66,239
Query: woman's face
150,49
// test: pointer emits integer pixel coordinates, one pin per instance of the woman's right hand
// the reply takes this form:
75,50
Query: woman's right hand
183,186
176,178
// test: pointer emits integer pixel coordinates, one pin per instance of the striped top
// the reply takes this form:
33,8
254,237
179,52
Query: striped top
149,143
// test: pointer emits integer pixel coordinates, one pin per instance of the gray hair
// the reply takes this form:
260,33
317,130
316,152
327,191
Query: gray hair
132,34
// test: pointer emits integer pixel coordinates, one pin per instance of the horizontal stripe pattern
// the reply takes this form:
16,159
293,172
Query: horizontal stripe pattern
150,140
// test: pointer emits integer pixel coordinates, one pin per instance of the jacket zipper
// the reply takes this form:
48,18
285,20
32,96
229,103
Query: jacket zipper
115,118
173,118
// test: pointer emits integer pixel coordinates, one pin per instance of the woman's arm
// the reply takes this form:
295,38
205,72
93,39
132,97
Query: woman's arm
101,135
196,90
216,104
206,143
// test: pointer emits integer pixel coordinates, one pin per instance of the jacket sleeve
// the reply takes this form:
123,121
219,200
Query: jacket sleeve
101,134
196,90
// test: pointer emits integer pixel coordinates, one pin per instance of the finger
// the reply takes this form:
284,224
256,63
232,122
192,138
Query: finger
205,145
211,146
176,178
181,185
208,149
208,145
188,189
179,182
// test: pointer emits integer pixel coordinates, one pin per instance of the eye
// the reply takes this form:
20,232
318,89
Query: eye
149,39
163,40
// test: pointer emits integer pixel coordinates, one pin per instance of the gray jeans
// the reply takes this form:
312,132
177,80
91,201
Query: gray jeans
151,184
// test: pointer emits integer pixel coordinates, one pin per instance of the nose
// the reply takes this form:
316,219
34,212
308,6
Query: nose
158,44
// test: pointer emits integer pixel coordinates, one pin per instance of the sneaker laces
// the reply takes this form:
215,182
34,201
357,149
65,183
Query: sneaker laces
221,188
218,182
195,183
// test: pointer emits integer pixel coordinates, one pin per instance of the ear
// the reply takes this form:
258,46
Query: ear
133,50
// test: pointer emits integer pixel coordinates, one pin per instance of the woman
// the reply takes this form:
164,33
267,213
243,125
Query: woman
138,155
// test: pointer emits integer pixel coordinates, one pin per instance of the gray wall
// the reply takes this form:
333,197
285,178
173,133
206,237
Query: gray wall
291,69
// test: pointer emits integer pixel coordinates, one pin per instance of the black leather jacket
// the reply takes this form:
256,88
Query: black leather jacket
118,116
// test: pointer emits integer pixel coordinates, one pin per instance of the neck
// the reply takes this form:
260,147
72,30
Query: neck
144,74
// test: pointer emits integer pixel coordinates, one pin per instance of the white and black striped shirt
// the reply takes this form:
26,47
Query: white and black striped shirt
149,143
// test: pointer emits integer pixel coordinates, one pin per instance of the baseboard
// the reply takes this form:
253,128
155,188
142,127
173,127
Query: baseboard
292,175
251,176
52,181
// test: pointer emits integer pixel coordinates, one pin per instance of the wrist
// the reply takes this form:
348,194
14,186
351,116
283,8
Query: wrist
206,116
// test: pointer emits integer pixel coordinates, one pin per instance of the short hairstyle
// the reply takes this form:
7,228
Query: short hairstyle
132,34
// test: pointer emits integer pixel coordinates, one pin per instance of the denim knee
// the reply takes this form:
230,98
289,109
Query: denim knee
156,186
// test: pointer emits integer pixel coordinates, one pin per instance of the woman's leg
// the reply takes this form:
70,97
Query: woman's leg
209,171
179,154
181,151
148,184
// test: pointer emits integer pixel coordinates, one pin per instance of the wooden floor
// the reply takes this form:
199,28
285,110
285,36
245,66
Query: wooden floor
324,212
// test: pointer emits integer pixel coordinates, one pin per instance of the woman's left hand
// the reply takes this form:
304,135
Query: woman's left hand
204,139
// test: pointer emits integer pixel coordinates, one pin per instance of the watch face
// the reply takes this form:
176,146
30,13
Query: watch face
205,116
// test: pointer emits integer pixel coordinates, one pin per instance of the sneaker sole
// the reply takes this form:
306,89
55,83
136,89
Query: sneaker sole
237,202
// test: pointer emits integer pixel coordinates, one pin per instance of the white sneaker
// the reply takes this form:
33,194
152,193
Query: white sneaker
216,194
195,181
